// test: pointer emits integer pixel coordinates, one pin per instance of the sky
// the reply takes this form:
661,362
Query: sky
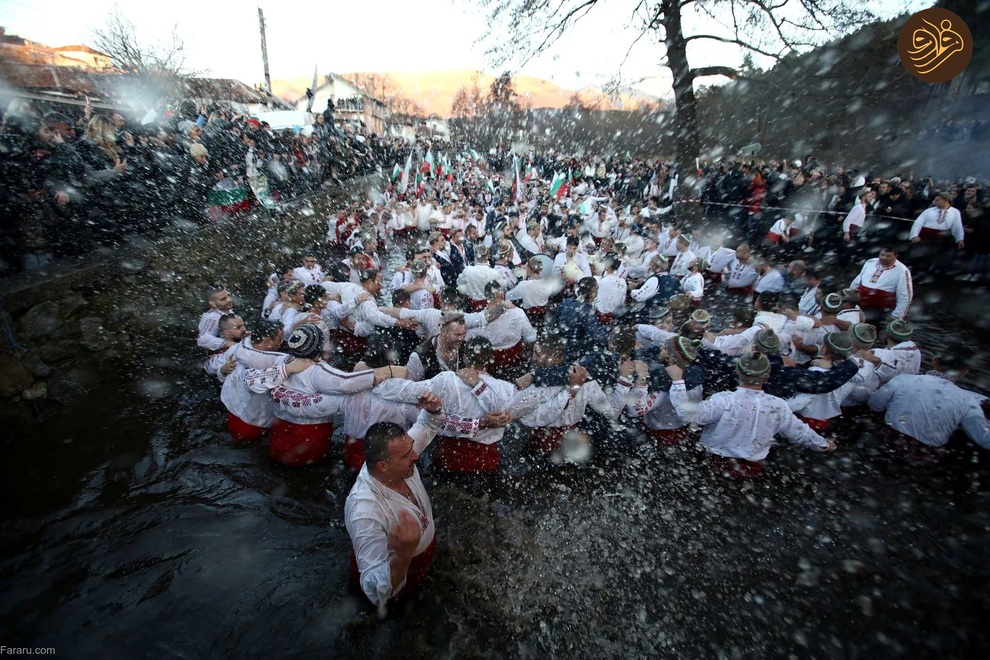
222,37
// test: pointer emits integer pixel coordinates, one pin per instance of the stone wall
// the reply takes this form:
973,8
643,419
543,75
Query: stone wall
137,307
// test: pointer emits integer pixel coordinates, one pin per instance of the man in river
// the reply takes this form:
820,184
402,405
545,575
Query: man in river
388,513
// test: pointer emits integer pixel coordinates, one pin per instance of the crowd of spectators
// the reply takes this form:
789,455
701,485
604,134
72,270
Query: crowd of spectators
75,182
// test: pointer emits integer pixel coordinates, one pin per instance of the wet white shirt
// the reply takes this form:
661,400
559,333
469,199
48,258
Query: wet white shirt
902,358
694,286
316,394
826,405
462,400
679,264
507,330
930,409
371,514
254,408
611,293
742,424
472,280
559,409
534,293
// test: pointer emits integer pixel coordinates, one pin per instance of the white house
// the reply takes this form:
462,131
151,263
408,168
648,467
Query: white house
354,107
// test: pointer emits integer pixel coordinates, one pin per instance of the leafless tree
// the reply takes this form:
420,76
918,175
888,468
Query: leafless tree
118,39
519,30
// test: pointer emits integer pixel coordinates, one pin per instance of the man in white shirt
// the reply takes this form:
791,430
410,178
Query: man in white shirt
209,329
716,258
885,287
741,275
683,257
310,272
769,280
611,289
388,514
739,426
572,254
934,234
509,334
928,409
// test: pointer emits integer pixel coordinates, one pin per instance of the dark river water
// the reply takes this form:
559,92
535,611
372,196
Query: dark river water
132,527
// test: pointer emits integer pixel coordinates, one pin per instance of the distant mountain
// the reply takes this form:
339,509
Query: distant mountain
435,90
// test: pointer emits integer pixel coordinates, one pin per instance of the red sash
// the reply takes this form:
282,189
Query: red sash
604,319
419,570
536,314
477,305
772,238
741,291
463,455
299,444
436,300
929,234
876,298
668,437
403,231
509,357
817,425
735,468
353,453
445,231
241,431
597,239
546,440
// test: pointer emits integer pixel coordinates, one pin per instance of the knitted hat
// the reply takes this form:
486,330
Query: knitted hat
900,330
306,341
753,364
864,335
832,303
681,351
839,344
947,196
767,341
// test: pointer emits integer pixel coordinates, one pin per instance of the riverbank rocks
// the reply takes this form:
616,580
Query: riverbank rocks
14,377
94,336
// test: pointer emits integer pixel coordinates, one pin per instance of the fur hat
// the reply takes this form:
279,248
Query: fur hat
753,365
306,341
864,335
900,330
767,341
839,344
701,317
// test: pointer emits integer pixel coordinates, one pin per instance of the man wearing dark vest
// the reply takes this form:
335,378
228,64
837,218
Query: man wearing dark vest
440,353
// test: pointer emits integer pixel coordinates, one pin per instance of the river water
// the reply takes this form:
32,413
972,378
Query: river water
134,528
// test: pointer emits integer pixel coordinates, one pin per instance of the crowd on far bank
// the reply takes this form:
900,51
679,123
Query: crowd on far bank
75,181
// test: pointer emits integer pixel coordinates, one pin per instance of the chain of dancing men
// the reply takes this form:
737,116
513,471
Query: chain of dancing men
564,312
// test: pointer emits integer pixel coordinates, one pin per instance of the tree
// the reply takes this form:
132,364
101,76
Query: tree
118,39
382,87
522,29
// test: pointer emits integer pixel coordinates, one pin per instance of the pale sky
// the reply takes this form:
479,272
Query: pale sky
222,37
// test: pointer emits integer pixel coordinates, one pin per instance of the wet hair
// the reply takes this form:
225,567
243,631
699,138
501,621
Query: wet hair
767,299
585,287
368,275
623,339
266,330
400,297
214,292
340,272
745,315
573,240
787,302
478,352
610,260
226,320
54,118
377,439
492,289
449,295
313,293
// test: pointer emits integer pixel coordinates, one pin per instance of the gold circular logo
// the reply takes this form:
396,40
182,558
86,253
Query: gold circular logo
935,45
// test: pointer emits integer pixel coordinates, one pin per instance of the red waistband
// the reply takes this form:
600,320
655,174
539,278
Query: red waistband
462,455
814,424
740,291
547,439
928,232
877,298
508,356
477,305
735,468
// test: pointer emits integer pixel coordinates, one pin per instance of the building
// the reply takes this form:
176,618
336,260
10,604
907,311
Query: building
355,109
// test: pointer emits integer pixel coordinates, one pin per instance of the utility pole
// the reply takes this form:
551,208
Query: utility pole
264,51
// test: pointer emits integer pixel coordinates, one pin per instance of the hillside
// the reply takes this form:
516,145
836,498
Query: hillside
435,90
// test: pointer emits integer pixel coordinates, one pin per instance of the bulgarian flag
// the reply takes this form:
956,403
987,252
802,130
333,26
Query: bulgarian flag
429,165
396,172
557,185
475,156
531,173
404,181
517,187
490,186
